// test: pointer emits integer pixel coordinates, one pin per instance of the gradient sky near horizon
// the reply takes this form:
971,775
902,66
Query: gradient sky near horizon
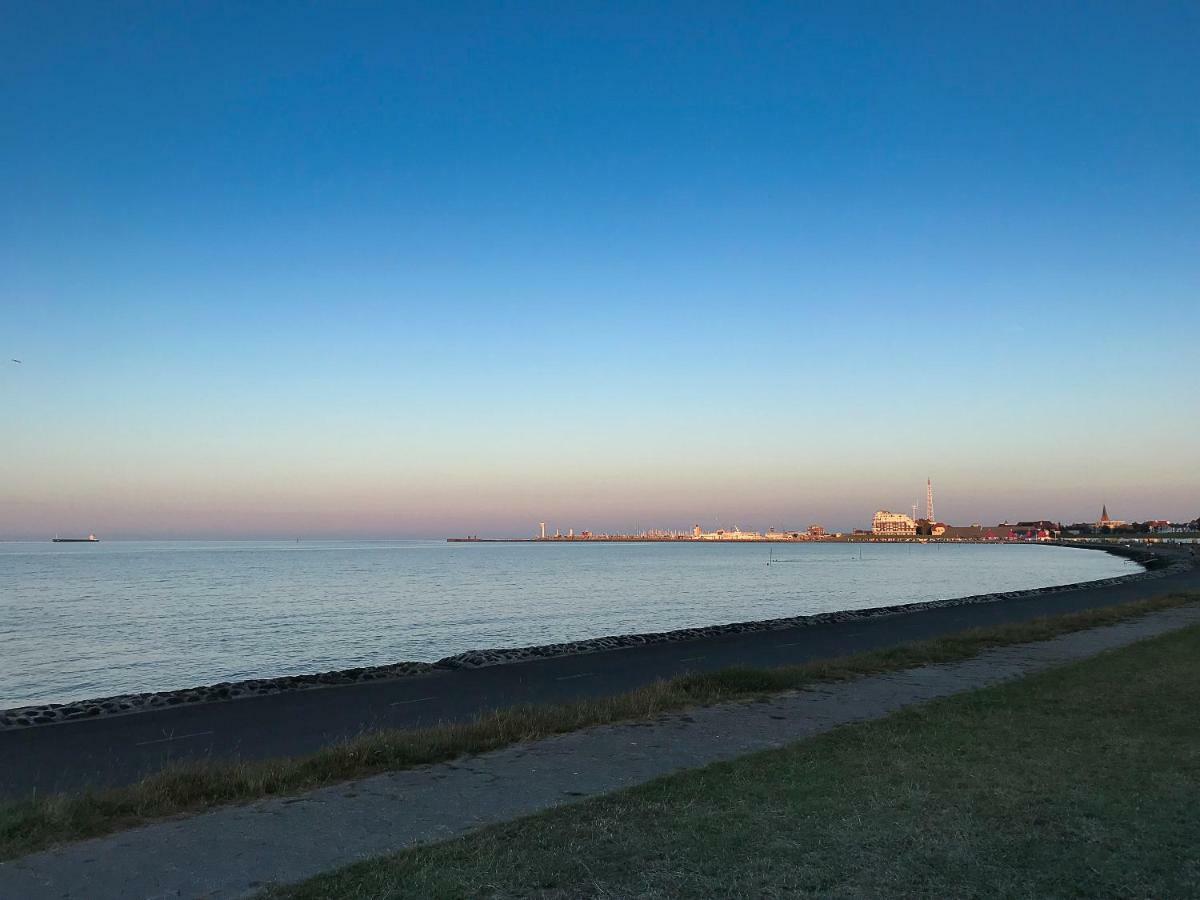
388,270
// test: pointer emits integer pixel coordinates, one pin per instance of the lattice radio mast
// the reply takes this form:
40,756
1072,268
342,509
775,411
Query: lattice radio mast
929,499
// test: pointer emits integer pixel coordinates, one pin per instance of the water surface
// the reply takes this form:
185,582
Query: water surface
79,620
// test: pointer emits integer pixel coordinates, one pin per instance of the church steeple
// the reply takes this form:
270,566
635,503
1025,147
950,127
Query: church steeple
1104,513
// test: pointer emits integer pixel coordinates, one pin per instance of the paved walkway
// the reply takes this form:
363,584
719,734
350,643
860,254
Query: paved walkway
234,852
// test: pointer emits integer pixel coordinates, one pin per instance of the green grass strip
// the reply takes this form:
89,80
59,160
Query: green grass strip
191,787
1082,781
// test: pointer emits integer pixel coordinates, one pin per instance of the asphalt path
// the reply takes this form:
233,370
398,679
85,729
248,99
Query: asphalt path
120,749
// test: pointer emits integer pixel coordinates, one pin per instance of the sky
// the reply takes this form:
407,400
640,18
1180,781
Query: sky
417,270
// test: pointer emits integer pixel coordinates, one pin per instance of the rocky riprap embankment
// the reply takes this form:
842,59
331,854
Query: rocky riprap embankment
474,659
51,713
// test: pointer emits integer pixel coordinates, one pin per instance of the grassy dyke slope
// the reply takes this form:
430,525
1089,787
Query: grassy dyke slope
1082,781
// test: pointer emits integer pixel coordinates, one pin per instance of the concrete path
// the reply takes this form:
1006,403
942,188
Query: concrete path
234,852
122,749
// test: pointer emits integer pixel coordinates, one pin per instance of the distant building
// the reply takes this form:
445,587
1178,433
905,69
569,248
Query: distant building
734,534
1002,532
1041,530
773,535
890,523
1185,528
1022,531
958,532
1106,522
816,531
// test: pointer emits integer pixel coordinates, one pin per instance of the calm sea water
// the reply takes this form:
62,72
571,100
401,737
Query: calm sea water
80,621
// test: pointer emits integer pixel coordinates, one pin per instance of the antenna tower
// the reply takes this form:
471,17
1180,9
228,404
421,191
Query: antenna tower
929,499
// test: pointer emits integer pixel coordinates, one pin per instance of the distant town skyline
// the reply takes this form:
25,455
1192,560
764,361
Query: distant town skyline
288,270
577,525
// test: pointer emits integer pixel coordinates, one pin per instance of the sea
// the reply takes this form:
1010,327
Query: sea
79,621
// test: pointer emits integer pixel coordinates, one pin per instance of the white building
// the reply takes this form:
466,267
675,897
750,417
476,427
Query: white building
886,522
773,535
723,535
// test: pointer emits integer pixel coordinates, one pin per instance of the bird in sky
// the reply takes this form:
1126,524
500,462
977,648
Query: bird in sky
18,362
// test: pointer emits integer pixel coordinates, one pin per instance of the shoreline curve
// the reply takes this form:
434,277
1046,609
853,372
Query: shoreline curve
1155,565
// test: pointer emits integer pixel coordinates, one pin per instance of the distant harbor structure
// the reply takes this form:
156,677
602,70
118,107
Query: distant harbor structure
885,522
733,534
890,524
886,526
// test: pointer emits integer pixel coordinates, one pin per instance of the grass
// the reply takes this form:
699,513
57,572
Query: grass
1081,781
39,822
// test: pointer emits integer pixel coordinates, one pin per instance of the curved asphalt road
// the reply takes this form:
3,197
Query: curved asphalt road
121,749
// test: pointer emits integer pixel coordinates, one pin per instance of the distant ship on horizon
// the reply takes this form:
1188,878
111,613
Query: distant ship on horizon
90,539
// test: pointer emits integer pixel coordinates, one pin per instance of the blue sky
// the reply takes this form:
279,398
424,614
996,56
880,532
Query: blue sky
367,269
